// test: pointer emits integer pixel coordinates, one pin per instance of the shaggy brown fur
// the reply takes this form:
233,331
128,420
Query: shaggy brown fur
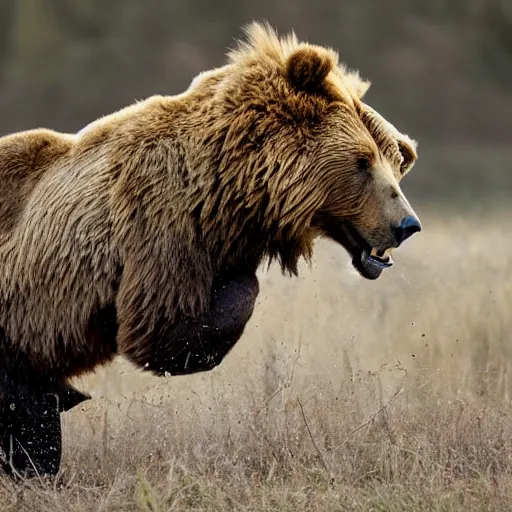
112,239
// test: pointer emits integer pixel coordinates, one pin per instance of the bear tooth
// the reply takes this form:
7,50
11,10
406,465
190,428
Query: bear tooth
381,255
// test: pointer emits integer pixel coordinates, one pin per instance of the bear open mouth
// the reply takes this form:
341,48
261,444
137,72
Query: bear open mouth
368,260
373,262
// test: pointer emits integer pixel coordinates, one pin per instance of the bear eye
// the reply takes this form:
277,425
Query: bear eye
364,163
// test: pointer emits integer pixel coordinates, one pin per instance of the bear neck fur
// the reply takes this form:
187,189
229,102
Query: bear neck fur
251,196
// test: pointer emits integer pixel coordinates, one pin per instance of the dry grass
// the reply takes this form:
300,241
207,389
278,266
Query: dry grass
343,395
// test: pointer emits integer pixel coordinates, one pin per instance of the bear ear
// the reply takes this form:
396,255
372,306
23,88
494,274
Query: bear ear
409,154
307,69
357,84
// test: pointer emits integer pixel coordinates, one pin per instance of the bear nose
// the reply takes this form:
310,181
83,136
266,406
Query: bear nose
407,228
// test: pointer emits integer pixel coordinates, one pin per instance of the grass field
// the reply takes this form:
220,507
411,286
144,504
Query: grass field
342,395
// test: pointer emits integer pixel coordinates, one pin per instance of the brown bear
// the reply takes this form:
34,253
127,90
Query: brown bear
141,235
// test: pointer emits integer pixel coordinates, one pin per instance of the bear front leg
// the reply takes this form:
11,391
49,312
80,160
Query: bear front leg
194,346
30,430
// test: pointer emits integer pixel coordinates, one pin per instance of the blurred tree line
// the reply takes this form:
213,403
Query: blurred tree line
441,70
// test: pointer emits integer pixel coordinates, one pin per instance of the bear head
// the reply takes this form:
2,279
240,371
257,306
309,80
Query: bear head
300,156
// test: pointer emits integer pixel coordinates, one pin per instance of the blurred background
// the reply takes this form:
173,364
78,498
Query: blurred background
441,70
